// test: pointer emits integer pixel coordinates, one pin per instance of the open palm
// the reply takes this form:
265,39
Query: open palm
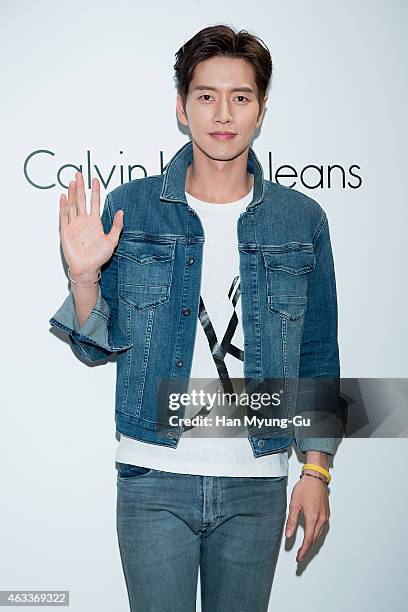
84,243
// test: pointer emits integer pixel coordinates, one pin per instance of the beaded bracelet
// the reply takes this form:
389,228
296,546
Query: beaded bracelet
313,476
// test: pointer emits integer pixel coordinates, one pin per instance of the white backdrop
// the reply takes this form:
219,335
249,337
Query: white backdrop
98,77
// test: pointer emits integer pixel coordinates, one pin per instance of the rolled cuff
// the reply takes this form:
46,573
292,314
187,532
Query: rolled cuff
98,331
324,445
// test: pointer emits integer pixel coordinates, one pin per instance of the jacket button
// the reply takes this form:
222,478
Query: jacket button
261,443
179,364
186,311
190,260
170,434
245,221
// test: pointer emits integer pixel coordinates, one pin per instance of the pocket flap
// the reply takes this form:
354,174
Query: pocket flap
293,258
145,252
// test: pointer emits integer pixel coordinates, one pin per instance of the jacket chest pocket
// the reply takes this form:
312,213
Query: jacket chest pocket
287,269
145,270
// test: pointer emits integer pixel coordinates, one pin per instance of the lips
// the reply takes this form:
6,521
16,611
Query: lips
222,135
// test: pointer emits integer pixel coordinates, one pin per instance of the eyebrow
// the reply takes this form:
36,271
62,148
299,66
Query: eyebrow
243,88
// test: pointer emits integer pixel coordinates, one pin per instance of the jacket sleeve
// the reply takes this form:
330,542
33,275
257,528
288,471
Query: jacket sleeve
100,335
319,369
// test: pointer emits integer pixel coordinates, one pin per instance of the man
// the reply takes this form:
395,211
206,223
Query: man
206,271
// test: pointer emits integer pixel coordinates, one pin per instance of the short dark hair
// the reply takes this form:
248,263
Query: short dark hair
222,40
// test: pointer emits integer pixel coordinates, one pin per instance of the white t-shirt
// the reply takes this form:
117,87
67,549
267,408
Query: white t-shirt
199,451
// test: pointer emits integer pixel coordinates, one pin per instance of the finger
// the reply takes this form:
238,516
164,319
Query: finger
322,521
72,207
80,193
63,212
117,226
292,520
95,198
320,525
310,524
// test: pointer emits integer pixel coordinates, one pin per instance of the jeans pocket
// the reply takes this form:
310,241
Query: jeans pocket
127,471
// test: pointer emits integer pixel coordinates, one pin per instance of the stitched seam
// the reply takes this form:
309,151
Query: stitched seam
108,206
321,226
319,229
101,314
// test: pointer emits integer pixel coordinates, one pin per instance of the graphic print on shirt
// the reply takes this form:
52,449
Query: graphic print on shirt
220,349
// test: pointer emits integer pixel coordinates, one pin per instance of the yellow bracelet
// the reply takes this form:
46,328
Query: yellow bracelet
318,468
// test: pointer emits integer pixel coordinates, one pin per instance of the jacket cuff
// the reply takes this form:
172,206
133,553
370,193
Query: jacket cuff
97,329
325,445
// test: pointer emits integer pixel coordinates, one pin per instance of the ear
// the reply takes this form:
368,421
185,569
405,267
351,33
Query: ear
181,114
261,112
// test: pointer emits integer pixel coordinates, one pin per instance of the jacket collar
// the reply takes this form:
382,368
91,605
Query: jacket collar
175,176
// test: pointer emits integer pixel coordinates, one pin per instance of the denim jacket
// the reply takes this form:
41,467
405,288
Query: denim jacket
149,292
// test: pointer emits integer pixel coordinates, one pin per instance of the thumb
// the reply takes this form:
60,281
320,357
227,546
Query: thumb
117,226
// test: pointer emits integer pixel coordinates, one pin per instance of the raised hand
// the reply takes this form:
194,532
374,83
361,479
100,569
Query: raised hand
84,243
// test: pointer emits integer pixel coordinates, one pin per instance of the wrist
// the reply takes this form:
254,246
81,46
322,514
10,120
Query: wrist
316,476
315,470
318,458
86,277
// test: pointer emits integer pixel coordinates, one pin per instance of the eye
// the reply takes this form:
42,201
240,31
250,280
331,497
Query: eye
205,96
245,98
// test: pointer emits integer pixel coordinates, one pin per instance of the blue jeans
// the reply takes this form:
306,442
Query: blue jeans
171,524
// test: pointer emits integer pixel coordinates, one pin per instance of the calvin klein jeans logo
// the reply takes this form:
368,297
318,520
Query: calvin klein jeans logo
44,172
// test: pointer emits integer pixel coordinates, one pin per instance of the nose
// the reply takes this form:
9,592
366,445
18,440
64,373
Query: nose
223,111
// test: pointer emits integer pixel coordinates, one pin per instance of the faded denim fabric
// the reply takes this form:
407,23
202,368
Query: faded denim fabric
147,308
169,525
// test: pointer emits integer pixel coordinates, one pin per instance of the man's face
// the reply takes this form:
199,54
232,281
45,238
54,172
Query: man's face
222,97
